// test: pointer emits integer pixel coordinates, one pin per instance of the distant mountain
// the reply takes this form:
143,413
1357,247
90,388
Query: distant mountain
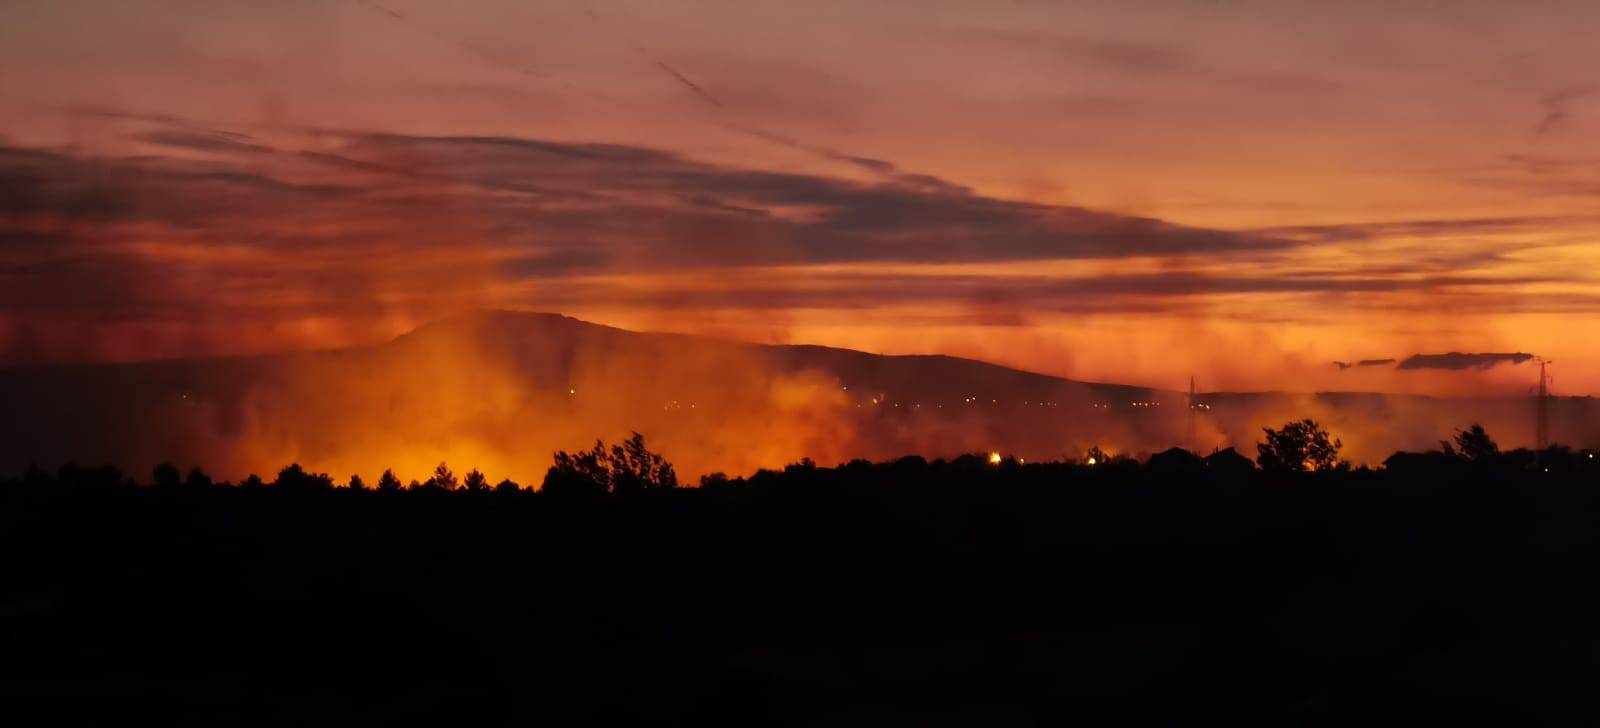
501,390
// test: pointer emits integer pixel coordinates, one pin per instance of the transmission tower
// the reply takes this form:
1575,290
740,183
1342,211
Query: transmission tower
1190,442
1541,434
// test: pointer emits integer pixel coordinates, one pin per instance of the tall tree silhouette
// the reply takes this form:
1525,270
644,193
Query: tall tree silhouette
1298,447
442,478
475,481
624,468
388,481
1475,444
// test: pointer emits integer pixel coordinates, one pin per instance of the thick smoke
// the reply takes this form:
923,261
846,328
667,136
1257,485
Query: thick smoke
502,391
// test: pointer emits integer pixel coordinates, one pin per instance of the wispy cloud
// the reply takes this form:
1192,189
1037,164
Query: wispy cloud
1458,361
1343,365
1557,108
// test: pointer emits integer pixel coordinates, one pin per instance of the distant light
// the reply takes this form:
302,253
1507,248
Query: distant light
572,391
994,458
1091,461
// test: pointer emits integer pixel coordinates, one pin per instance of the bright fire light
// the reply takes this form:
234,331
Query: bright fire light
994,458
1091,461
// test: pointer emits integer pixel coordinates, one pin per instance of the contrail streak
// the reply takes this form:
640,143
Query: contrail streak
691,85
469,47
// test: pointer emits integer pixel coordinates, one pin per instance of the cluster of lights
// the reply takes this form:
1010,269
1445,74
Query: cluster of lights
1145,404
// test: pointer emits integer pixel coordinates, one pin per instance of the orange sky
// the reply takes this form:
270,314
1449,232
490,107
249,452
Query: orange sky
1117,192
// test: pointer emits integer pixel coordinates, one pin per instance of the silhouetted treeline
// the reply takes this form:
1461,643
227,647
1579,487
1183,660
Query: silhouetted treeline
1299,448
1447,586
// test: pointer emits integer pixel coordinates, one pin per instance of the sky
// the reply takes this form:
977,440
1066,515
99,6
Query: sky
1127,192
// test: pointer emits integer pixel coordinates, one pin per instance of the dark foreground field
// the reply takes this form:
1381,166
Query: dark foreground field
901,594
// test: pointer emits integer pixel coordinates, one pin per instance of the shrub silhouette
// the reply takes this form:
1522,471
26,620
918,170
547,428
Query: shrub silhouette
1298,447
356,483
197,479
625,468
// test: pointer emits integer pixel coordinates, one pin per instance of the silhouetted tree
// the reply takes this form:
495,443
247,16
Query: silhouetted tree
252,481
624,468
1475,444
388,482
584,472
166,475
1298,447
633,467
197,479
356,483
805,465
442,478
507,486
475,481
296,478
